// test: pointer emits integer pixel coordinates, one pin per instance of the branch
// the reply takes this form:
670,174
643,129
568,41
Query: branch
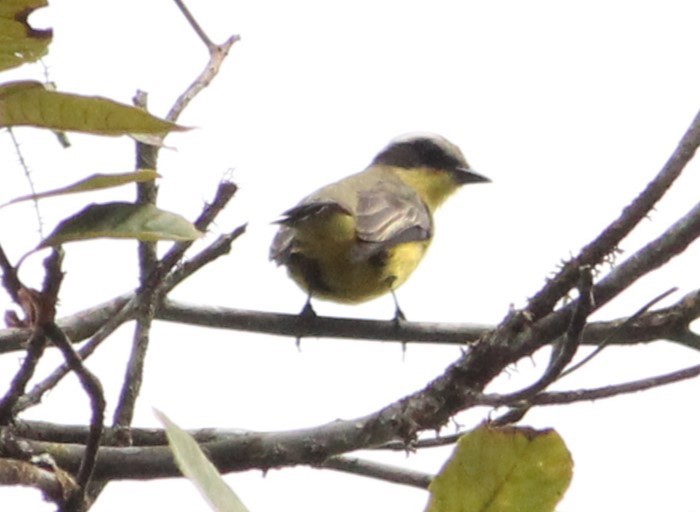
30,181
580,395
565,349
9,402
147,156
239,451
133,377
195,26
385,472
656,253
10,281
669,323
40,311
78,327
605,342
120,316
288,325
93,389
39,308
593,253
109,316
54,485
217,54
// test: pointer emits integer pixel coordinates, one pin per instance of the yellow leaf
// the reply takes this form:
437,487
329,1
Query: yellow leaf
31,104
503,470
19,42
143,222
94,182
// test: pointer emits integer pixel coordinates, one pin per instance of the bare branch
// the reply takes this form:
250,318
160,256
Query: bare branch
28,175
219,247
93,389
147,156
289,325
669,323
217,54
567,397
224,193
606,342
122,311
37,342
54,485
195,26
10,281
131,386
8,403
563,351
236,451
376,470
593,253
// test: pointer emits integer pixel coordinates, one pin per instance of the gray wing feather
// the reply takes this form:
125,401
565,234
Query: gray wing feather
385,219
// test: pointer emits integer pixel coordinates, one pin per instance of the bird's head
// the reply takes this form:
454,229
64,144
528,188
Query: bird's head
430,163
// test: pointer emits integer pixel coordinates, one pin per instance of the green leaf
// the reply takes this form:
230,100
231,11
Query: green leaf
31,104
19,42
94,182
503,470
199,470
143,222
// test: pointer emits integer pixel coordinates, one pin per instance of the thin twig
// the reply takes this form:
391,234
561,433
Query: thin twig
606,341
147,192
10,281
672,242
219,247
18,384
93,389
36,315
543,302
378,471
562,353
195,26
28,175
90,383
40,311
34,396
151,292
125,312
568,397
217,54
133,377
418,444
224,193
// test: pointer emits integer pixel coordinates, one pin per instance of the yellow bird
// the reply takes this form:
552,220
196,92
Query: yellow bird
363,236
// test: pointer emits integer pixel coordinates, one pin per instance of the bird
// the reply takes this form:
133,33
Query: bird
361,237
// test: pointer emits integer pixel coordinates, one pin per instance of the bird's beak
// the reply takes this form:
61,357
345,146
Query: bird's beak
466,175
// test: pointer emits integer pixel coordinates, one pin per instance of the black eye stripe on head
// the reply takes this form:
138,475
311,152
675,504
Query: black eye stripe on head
418,153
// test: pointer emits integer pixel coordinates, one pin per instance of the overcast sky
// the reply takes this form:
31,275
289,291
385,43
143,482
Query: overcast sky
569,108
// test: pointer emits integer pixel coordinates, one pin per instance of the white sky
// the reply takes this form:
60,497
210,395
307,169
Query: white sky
569,108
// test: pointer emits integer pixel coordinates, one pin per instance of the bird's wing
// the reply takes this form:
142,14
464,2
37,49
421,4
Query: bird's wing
283,243
386,218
